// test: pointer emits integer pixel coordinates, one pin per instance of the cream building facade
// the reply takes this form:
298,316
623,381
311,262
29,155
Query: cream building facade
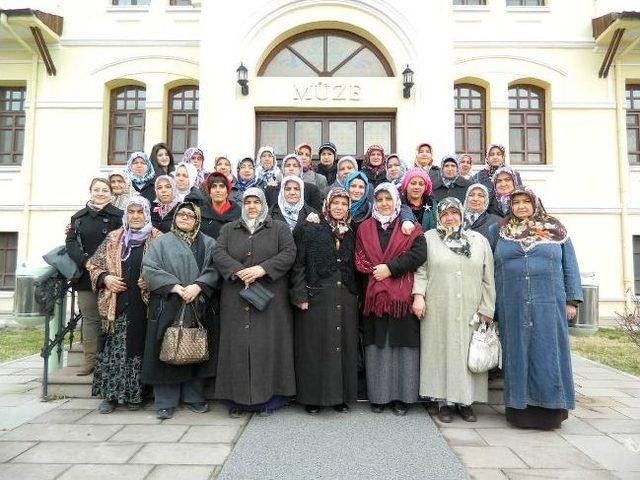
577,146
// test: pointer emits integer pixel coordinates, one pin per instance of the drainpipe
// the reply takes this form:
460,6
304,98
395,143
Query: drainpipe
623,179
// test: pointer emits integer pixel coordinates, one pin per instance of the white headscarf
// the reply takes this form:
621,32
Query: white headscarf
192,173
252,225
291,212
386,220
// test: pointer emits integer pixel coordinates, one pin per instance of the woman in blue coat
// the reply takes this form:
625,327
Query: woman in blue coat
538,288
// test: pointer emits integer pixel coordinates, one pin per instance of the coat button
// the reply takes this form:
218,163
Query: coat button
337,349
246,327
338,283
248,254
105,220
338,307
339,260
338,328
246,308
104,230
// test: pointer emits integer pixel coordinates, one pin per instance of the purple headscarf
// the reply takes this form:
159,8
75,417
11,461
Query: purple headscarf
134,238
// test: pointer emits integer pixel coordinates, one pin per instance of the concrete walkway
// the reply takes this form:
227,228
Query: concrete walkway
68,438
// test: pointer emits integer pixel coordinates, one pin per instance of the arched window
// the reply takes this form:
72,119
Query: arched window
470,120
526,125
182,125
126,123
632,104
326,53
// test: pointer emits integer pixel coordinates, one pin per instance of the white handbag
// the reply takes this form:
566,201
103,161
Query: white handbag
485,351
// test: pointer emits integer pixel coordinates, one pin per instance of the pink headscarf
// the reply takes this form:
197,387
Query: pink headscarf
413,173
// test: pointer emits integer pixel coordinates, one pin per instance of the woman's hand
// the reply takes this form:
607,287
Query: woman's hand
313,218
179,290
67,229
419,307
303,305
115,284
484,319
191,292
380,272
407,227
142,285
251,274
571,312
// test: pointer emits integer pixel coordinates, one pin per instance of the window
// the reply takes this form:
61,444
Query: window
129,3
636,264
180,3
470,121
469,2
325,53
8,260
12,120
632,104
182,128
525,3
126,123
526,125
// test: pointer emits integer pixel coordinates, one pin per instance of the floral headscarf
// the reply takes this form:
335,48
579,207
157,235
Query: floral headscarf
469,216
505,200
190,236
148,175
298,148
449,159
488,168
134,238
272,174
357,205
415,162
192,173
366,164
163,208
454,238
403,170
187,157
538,228
387,220
291,212
252,225
241,184
119,200
338,227
352,161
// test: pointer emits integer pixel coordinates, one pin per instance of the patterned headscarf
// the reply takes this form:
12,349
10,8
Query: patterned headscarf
488,168
352,161
252,225
298,148
469,216
192,173
415,162
505,200
148,175
387,220
291,212
449,159
403,170
538,228
119,200
241,184
187,157
454,238
293,156
338,227
163,208
191,235
366,164
357,205
271,174
134,238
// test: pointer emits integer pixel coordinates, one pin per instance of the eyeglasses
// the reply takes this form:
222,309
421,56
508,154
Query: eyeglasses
186,215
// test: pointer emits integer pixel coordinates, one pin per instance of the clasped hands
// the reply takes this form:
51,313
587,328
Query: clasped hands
188,293
250,274
117,285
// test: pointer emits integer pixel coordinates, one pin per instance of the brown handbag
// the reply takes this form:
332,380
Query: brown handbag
185,345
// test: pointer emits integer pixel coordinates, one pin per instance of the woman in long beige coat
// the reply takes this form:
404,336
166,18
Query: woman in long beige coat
454,284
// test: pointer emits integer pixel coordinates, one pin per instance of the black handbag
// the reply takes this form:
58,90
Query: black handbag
257,295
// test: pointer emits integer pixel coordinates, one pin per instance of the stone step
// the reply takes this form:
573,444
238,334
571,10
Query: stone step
65,383
75,355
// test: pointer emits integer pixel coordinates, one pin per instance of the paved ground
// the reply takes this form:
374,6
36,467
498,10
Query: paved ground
67,438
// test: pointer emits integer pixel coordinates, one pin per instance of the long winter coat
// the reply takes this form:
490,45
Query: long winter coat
148,190
162,223
484,221
88,230
455,287
305,211
318,180
326,335
171,261
532,290
256,348
212,221
457,189
312,196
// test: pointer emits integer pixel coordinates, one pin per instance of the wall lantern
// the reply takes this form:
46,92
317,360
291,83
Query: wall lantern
407,79
242,79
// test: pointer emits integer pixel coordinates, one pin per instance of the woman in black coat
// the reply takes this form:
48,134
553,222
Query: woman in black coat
164,207
292,166
324,288
450,183
141,173
89,227
291,207
476,203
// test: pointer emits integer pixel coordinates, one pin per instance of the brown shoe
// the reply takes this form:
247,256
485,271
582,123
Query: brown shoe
445,414
84,371
466,412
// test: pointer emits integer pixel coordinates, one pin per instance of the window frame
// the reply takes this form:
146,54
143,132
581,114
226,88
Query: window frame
465,3
525,126
129,126
635,246
521,3
134,4
188,113
632,113
15,127
5,251
483,124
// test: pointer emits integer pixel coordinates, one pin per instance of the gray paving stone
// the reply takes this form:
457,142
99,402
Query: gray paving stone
29,471
606,452
626,475
630,412
149,433
565,458
107,472
486,474
576,426
488,457
60,416
217,416
588,401
484,421
615,425
629,440
173,472
601,392
610,382
9,450
558,474
15,399
634,392
12,379
81,404
80,452
463,437
62,432
121,416
11,417
182,454
212,434
596,411
507,437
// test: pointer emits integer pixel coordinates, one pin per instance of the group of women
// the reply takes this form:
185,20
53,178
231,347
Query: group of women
378,275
